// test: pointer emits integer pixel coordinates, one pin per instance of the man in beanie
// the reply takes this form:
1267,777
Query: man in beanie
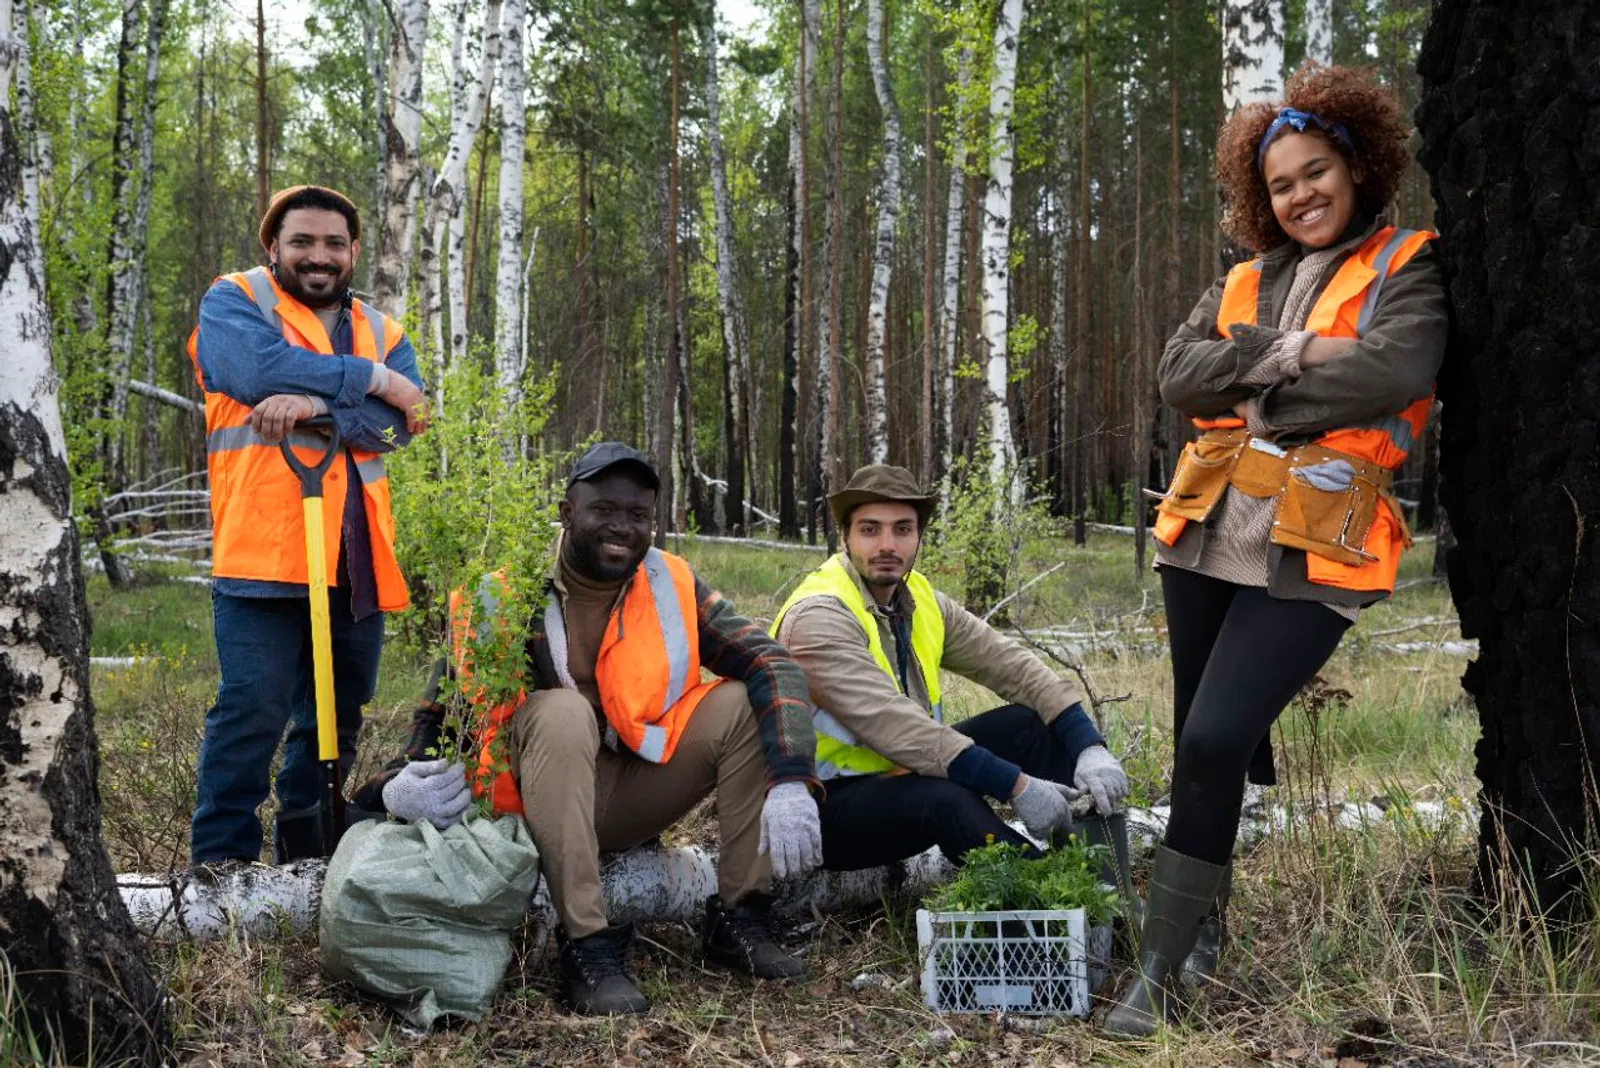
872,635
277,345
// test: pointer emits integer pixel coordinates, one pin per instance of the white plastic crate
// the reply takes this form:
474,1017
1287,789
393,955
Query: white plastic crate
1035,963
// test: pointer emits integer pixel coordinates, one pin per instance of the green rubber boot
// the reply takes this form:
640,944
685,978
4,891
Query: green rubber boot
1201,963
1182,890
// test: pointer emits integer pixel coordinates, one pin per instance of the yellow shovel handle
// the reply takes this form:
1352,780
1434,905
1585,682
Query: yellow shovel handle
321,634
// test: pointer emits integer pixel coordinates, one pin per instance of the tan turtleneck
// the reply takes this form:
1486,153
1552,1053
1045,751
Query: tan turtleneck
586,606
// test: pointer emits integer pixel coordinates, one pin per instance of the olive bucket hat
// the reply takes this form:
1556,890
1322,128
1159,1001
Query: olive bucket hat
881,482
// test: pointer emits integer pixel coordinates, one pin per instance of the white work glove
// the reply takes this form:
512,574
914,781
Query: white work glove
1042,806
432,790
791,830
1099,775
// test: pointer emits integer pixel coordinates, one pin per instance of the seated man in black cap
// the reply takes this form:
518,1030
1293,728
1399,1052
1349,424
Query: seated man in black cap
619,738
872,635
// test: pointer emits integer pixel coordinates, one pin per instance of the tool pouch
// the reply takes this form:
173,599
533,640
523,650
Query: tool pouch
1203,471
1328,505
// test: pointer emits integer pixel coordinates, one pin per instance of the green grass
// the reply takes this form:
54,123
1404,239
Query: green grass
1337,933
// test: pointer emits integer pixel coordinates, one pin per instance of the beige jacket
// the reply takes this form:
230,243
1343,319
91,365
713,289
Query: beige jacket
827,641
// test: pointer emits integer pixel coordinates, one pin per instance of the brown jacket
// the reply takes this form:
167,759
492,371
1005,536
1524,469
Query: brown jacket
1380,374
826,639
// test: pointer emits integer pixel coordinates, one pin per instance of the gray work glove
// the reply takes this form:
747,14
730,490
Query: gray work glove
791,830
432,790
1099,775
1042,806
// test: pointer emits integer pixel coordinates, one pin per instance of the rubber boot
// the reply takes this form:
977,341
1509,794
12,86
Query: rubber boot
1201,963
297,835
1116,870
1182,890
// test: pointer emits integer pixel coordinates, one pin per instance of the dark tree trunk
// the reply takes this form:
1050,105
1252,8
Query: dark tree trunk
1508,95
788,518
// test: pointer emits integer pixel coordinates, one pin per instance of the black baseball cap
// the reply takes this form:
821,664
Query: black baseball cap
605,455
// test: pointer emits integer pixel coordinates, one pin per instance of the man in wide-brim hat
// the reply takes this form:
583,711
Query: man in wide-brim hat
872,634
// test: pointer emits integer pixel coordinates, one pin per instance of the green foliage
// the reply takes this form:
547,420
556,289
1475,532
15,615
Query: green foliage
1000,877
981,532
478,515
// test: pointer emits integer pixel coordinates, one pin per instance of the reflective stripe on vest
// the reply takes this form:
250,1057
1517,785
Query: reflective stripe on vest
838,752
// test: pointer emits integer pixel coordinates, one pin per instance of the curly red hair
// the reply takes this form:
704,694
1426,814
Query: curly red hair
1349,95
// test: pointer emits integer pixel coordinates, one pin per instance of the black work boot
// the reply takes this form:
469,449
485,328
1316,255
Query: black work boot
594,973
1201,963
740,938
1182,890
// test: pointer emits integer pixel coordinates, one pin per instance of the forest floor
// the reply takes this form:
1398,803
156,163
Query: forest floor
1351,947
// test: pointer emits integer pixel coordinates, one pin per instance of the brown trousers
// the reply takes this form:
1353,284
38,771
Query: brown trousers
581,798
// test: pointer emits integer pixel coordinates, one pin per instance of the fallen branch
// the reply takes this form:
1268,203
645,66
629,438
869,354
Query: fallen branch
156,393
1020,590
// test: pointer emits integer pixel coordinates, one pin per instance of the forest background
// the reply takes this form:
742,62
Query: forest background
910,260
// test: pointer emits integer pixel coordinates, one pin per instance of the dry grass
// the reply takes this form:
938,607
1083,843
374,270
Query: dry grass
1350,947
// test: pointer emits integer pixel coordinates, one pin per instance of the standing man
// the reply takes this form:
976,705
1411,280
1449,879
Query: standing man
619,737
277,345
872,635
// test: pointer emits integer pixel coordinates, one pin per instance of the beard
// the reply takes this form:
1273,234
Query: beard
587,560
315,288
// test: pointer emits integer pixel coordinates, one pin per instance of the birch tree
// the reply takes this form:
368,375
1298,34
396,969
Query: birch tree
403,162
949,327
1252,52
735,332
883,246
508,341
797,398
996,240
1319,30
469,96
81,970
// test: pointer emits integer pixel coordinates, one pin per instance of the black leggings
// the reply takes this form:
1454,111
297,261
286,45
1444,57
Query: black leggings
1239,656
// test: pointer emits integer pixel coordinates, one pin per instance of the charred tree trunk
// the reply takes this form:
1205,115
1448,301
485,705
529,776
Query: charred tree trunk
669,385
77,959
1506,94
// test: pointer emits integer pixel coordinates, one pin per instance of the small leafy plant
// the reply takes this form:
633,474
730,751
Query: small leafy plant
1001,877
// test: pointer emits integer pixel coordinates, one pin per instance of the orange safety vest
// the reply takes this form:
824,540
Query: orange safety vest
256,514
1344,309
648,668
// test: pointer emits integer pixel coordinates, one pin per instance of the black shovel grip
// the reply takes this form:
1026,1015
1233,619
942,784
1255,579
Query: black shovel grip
311,476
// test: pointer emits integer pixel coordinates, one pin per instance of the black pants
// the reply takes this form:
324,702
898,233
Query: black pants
1239,656
868,820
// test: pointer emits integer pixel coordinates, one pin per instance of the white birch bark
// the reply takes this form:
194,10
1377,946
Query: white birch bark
1252,52
952,271
28,138
883,246
67,936
469,101
735,330
136,309
1319,30
402,164
513,135
376,16
996,241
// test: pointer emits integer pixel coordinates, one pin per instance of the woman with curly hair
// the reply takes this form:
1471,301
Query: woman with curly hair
1309,372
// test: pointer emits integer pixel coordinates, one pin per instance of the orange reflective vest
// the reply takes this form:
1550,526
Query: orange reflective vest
256,519
1344,309
648,668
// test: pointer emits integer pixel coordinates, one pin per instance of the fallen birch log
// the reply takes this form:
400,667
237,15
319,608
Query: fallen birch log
645,884
660,885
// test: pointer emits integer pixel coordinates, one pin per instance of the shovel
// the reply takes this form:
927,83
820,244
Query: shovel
332,809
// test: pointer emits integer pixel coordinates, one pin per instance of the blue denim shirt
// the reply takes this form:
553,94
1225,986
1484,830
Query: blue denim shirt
246,357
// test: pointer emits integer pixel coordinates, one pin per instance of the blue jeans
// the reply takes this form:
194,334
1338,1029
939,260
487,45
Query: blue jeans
264,649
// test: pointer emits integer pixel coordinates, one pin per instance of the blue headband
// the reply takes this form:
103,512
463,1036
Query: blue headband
1288,117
